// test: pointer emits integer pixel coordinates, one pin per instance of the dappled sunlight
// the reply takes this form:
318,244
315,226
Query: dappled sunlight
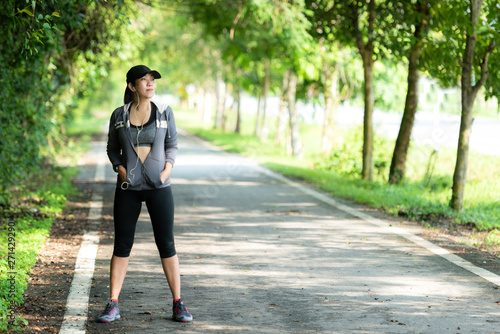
209,160
220,183
303,204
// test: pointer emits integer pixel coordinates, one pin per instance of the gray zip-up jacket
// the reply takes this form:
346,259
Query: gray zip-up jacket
121,150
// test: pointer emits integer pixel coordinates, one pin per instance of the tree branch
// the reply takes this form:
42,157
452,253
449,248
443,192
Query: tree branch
484,67
355,23
235,21
371,26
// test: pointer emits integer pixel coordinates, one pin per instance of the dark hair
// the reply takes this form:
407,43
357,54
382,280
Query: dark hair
133,74
129,96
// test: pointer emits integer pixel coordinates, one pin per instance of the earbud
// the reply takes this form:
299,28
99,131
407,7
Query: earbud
133,88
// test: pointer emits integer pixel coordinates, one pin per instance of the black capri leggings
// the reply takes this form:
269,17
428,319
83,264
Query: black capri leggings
126,210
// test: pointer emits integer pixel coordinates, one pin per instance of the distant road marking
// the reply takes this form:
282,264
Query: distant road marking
76,313
487,275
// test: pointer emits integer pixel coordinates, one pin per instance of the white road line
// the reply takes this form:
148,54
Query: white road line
487,275
78,298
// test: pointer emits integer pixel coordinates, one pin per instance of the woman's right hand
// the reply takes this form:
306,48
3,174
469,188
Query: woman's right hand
122,172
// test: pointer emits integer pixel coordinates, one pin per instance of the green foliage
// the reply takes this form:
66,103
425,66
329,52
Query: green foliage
391,82
442,56
346,159
243,34
54,52
30,233
179,50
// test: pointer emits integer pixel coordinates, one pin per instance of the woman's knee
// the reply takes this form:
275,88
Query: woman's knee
122,248
166,249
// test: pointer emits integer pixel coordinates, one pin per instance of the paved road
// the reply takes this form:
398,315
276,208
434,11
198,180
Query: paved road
260,256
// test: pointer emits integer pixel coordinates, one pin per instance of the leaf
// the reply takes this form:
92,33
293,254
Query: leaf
481,30
25,11
56,14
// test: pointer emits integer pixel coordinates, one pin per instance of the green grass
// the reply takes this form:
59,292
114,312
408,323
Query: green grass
424,196
26,223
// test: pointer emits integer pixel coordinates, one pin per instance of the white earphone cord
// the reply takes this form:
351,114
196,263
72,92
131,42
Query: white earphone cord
126,184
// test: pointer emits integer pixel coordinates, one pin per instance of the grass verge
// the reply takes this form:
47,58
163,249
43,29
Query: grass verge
423,197
26,223
27,218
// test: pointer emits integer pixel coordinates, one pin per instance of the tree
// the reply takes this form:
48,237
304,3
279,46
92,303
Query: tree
418,17
469,90
465,40
264,31
368,26
296,144
366,50
334,58
279,138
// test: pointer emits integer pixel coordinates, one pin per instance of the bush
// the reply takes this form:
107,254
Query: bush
346,159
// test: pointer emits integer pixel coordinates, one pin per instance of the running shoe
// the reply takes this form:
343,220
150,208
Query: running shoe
110,313
180,312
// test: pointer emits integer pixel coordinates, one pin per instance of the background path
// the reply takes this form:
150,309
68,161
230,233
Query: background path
260,256
431,127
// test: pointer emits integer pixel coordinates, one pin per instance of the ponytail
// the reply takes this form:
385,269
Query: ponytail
129,96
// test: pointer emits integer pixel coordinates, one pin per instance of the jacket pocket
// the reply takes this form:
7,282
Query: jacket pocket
152,170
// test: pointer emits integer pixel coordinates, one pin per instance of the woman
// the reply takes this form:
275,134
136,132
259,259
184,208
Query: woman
142,146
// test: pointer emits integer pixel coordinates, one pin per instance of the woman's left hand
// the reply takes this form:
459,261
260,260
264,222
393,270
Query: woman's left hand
164,174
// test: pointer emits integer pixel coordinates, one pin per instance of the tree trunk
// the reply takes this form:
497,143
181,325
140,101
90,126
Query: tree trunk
238,110
469,94
224,110
398,163
265,90
281,123
331,103
367,172
293,119
366,52
208,102
221,95
460,174
200,102
257,117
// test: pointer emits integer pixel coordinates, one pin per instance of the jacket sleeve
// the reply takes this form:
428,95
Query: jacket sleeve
171,138
113,148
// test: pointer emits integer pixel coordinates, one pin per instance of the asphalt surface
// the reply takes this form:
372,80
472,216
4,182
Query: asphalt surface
260,256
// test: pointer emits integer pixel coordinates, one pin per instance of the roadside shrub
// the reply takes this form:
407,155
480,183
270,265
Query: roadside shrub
346,158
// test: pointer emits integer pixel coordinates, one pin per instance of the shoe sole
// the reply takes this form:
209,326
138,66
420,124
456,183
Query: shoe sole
180,320
108,321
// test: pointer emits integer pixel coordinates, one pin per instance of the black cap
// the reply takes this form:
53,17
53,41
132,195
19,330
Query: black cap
139,71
